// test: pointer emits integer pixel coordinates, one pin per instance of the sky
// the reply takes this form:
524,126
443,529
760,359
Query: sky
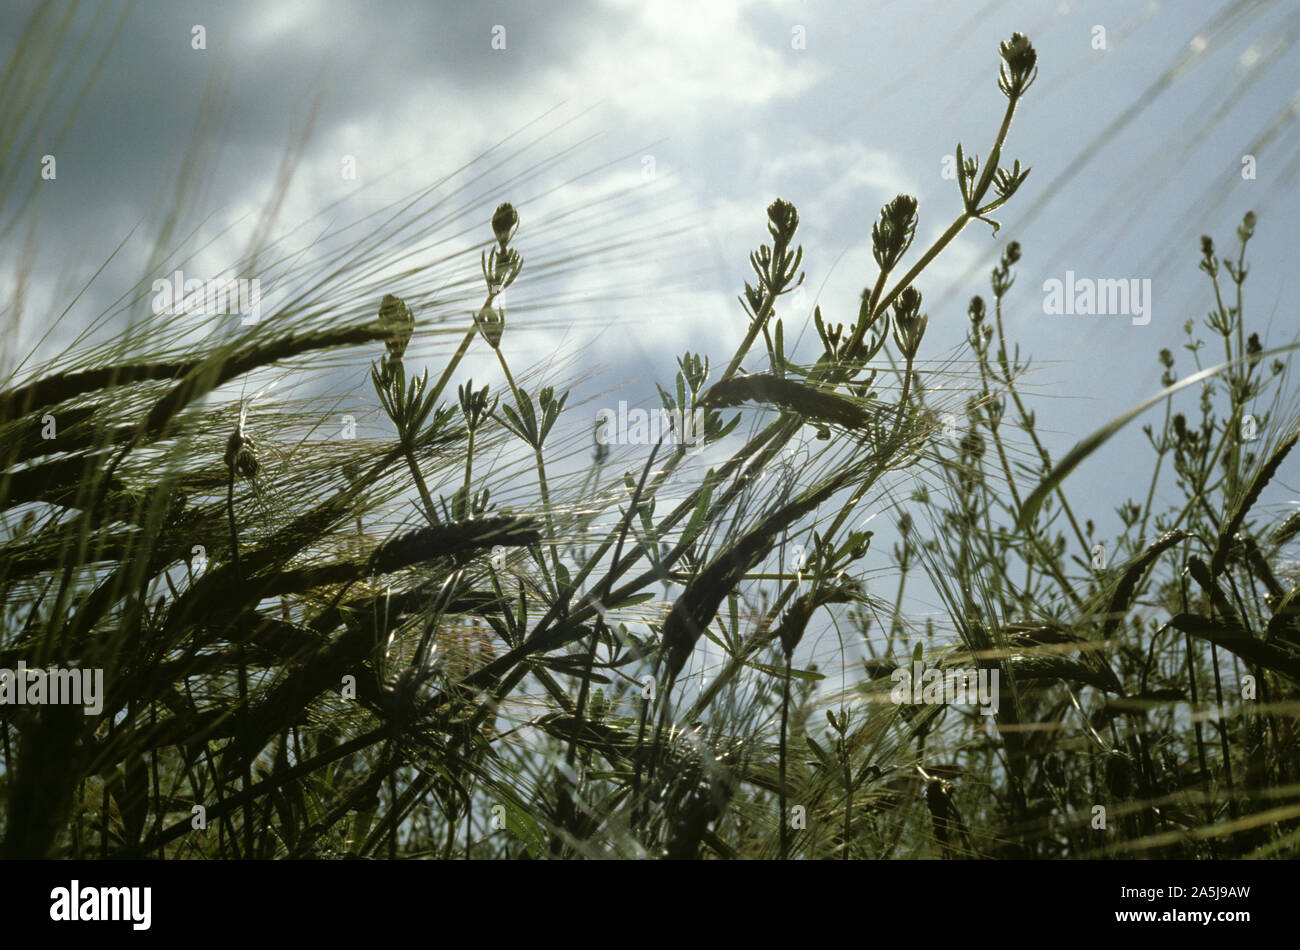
641,143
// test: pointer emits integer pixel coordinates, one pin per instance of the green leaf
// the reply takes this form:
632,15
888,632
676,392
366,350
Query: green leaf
360,826
708,632
701,506
779,671
520,429
524,827
827,762
633,600
733,608
962,184
573,664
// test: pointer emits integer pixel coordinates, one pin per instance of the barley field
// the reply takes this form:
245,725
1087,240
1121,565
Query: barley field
349,550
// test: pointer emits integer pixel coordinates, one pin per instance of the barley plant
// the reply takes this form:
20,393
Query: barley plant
473,632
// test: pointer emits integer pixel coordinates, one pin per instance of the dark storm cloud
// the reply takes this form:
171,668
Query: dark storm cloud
268,62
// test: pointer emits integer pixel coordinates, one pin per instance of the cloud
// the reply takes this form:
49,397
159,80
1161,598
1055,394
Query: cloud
680,64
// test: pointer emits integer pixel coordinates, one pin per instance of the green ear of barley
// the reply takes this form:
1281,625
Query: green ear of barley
1248,648
1055,667
1049,642
1285,623
698,604
1123,596
791,629
1262,478
789,395
222,368
456,539
49,391
1287,530
370,621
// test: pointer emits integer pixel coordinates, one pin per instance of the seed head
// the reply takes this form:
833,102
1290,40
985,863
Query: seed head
601,451
909,322
396,318
972,444
1019,67
782,221
491,323
892,234
241,454
504,222
1180,426
1247,229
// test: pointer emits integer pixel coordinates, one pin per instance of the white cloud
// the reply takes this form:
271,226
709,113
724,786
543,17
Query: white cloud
682,61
